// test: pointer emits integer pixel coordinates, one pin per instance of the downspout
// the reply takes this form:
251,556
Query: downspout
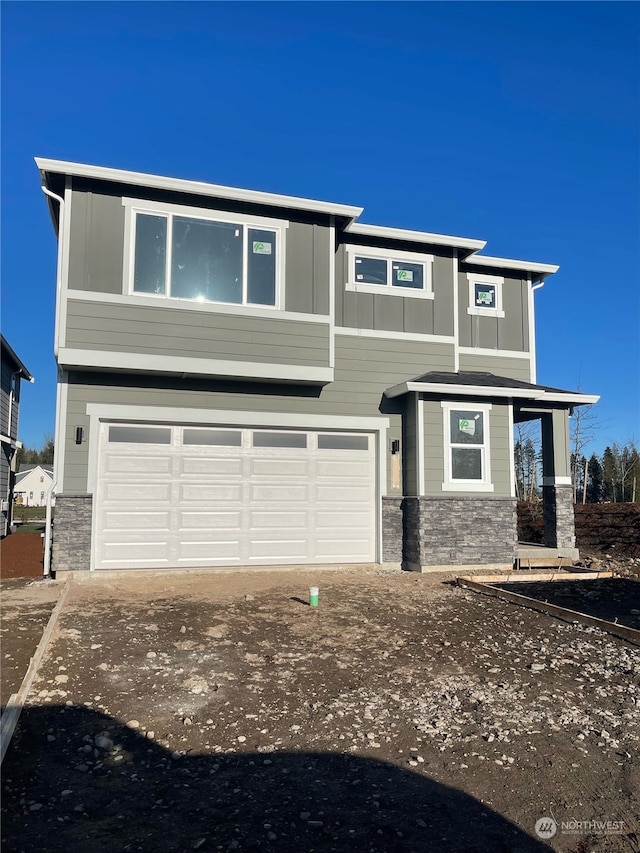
61,223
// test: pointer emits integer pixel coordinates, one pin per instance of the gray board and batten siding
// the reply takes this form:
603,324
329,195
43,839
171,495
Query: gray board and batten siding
97,245
510,332
394,313
365,367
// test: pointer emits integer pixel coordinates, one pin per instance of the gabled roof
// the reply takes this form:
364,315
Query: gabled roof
9,355
474,383
25,470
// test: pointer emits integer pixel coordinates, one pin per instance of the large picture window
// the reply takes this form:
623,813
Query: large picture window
205,258
389,271
467,459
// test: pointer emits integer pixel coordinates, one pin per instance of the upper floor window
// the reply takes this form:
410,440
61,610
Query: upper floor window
205,256
399,273
485,295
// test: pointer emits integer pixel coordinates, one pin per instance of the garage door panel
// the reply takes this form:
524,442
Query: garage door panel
273,493
279,468
210,549
298,497
279,549
136,492
134,463
278,520
117,521
201,466
209,520
203,493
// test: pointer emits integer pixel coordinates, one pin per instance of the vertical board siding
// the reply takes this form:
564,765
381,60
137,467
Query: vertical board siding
501,333
96,246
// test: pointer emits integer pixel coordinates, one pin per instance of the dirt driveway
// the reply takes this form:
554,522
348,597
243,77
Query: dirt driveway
221,712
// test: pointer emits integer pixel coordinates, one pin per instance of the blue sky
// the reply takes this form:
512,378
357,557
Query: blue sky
517,123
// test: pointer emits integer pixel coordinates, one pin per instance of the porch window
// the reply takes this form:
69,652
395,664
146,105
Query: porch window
467,458
374,270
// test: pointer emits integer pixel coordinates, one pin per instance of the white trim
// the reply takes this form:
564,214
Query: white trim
532,328
168,364
414,236
65,251
12,442
103,173
420,480
62,395
557,481
498,353
478,310
388,256
512,452
511,264
169,212
347,331
484,484
160,207
487,391
332,294
456,309
149,301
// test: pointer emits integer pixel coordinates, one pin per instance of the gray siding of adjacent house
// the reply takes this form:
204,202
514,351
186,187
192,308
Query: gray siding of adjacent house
510,332
395,313
97,247
365,367
8,429
514,368
500,451
170,331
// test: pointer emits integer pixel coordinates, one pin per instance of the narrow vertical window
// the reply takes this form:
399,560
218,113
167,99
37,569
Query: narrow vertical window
261,267
150,254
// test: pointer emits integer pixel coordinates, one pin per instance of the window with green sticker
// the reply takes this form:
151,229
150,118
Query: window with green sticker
467,465
204,259
399,273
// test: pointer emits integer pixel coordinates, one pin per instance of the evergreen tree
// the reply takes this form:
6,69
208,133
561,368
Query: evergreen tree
595,481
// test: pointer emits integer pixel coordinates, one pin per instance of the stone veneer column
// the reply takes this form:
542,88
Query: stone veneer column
391,530
559,521
71,549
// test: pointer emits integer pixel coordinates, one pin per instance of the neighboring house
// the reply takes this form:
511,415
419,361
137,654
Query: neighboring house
254,379
32,485
13,371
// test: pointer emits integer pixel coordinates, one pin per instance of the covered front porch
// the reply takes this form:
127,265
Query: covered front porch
460,502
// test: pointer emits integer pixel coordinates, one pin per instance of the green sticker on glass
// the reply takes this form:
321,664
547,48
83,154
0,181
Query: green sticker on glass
404,275
260,248
467,426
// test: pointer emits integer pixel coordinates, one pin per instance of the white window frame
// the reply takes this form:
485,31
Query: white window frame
136,206
478,310
389,255
449,484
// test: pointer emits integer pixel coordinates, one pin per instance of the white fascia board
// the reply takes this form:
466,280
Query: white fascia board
414,236
103,173
13,442
511,264
489,391
214,368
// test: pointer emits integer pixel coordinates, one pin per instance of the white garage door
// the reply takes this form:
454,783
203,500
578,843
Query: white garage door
181,496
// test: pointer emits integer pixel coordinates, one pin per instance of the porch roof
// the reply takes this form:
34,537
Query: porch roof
475,383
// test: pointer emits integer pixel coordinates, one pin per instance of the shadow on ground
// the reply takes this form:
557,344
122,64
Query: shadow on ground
75,780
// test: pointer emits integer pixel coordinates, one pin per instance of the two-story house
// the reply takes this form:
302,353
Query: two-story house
251,379
12,372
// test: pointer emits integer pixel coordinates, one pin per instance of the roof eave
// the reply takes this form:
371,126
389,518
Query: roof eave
104,173
425,237
22,369
540,271
449,389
